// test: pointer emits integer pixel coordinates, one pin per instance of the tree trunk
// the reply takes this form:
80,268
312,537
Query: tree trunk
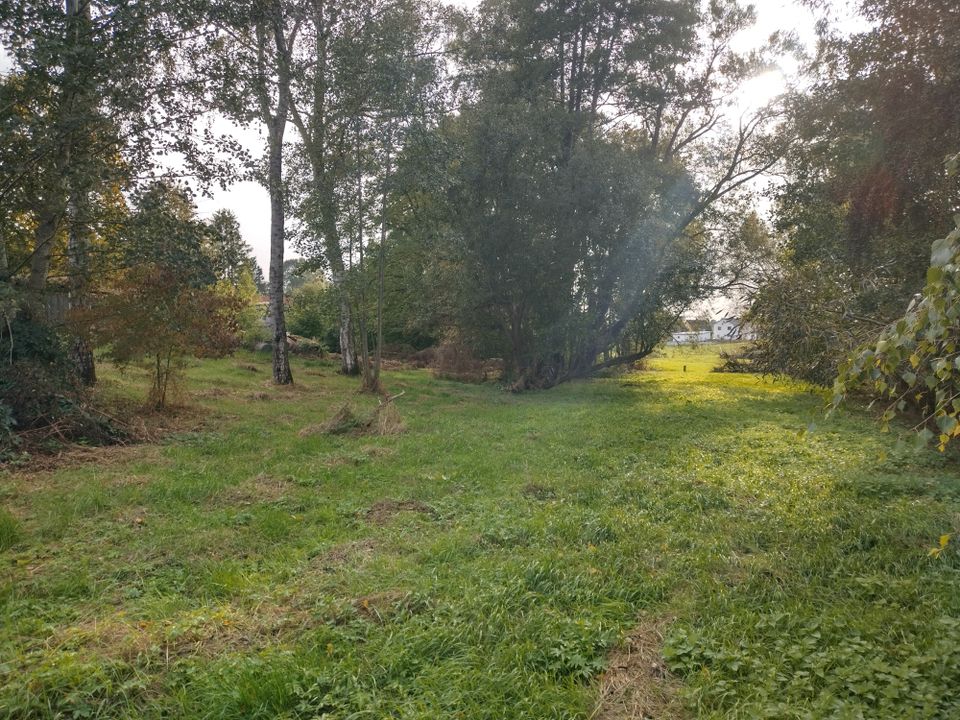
370,383
81,354
82,100
349,363
313,133
381,260
348,353
4,263
44,237
281,351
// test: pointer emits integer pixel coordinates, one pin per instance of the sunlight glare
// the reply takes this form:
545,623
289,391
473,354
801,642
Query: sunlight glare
758,91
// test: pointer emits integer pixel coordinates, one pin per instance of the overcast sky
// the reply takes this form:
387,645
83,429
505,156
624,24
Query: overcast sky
251,205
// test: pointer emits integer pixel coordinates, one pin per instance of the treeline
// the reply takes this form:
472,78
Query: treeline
868,192
550,184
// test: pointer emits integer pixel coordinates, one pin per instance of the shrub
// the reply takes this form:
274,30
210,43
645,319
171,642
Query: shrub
453,360
41,400
151,315
806,322
914,364
314,313
306,346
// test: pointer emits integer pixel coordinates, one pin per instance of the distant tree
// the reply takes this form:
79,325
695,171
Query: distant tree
259,281
235,269
314,312
364,72
230,255
99,97
297,273
163,305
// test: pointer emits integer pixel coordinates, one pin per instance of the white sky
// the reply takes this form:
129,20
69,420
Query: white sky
251,205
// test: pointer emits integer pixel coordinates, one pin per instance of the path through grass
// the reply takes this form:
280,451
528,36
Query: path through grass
487,562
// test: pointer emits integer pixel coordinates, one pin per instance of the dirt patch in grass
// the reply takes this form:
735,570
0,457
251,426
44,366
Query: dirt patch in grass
40,470
538,491
258,396
208,632
355,554
144,429
381,606
134,517
285,390
637,684
375,451
364,454
130,481
382,511
249,367
207,393
261,489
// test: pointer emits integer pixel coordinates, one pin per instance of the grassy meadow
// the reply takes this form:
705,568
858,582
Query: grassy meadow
663,544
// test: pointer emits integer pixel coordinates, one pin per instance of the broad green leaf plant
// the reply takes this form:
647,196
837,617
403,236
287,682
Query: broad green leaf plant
914,366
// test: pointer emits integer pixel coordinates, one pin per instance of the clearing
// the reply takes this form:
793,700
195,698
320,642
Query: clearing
665,544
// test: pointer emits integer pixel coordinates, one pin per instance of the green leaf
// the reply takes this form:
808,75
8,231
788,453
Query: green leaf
942,251
947,424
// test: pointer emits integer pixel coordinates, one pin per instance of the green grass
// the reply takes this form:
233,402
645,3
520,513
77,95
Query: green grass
486,562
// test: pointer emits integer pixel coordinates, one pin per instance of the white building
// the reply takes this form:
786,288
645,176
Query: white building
726,329
731,328
691,331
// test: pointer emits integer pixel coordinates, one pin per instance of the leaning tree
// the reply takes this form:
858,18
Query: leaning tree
593,149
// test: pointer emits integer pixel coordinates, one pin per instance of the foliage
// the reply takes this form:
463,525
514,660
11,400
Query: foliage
575,234
314,313
42,405
454,360
98,95
8,425
236,271
249,315
865,188
165,304
152,315
914,366
807,319
230,256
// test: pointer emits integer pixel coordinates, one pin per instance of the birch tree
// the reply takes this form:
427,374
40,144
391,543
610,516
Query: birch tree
251,75
356,78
